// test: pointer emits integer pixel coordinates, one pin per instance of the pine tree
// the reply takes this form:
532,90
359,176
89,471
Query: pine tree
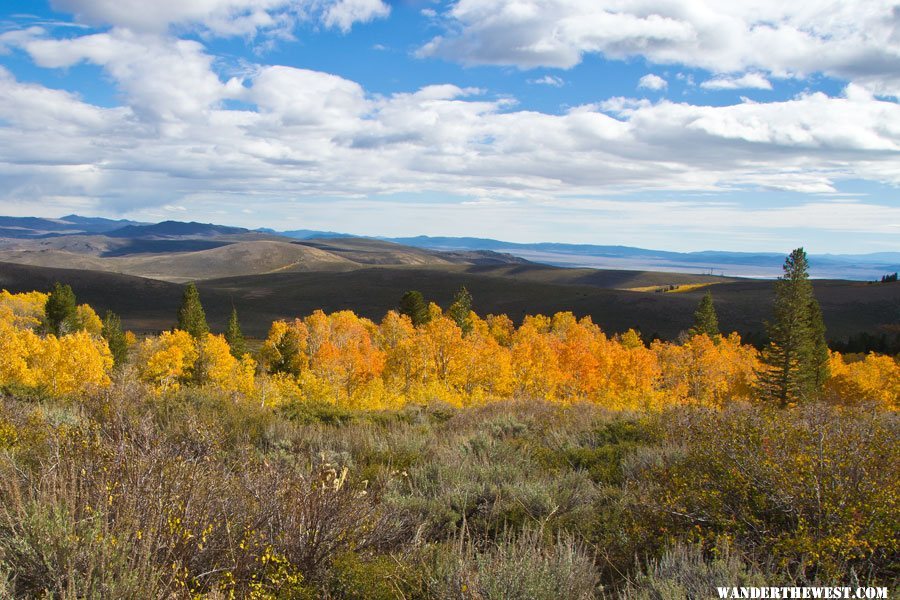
705,319
795,363
234,337
819,364
115,337
460,309
413,305
287,349
61,311
191,317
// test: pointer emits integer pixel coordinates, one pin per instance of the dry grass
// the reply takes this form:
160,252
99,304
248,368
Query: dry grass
127,495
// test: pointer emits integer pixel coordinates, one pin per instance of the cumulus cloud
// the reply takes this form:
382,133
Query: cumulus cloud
222,17
551,80
164,78
855,40
756,81
652,82
344,13
308,133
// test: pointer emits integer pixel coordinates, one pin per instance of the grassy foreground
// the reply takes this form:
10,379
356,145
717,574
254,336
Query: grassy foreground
126,494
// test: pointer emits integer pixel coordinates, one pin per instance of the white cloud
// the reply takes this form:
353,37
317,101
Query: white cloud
306,135
17,37
309,133
652,82
551,80
755,81
164,78
856,40
223,17
344,13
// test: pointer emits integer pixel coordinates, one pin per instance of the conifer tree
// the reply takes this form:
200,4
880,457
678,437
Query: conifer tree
413,305
287,348
61,310
460,309
819,367
795,362
705,319
191,317
115,337
234,337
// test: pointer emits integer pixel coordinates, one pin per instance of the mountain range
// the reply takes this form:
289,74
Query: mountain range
155,238
176,236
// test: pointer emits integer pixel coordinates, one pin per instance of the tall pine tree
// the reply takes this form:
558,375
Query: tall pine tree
115,337
460,309
234,337
413,305
706,322
60,310
795,363
191,317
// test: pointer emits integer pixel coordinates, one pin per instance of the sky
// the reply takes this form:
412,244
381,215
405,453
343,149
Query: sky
683,125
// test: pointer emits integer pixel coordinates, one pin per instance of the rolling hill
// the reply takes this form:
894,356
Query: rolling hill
207,252
148,305
137,270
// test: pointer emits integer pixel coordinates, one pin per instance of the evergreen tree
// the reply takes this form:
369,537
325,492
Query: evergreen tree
460,309
115,337
191,317
61,310
288,349
795,362
819,360
234,337
413,305
705,319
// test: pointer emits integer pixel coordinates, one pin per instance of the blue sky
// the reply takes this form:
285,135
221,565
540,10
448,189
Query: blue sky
682,125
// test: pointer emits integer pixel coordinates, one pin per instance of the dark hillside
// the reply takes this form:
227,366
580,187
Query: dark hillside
150,305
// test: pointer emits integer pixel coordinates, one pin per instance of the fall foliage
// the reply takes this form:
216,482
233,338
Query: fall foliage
346,454
353,362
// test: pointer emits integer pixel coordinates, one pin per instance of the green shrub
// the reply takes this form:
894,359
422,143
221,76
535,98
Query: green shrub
684,572
523,566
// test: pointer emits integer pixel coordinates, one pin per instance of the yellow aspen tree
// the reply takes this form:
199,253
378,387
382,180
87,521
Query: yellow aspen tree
630,372
72,364
167,362
706,370
577,346
218,368
874,379
18,348
88,320
439,343
485,367
535,363
26,310
395,338
501,329
342,352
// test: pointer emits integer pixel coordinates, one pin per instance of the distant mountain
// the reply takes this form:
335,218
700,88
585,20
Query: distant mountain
306,234
36,227
741,264
123,238
175,229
